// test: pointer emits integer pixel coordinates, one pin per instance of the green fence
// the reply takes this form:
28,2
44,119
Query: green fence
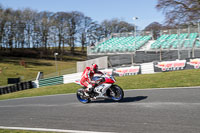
51,81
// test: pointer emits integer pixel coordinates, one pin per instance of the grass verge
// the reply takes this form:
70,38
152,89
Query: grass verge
11,68
184,78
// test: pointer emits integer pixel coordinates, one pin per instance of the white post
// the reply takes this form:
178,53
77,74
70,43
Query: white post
134,18
188,29
55,54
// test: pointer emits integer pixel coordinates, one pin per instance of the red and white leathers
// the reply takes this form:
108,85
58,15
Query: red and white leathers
86,78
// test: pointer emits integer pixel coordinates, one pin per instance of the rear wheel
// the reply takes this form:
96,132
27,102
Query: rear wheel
81,96
116,93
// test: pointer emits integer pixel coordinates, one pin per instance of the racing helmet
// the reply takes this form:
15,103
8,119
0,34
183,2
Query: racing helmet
94,68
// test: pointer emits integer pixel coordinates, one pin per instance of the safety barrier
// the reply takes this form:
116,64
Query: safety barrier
16,87
165,66
145,68
51,81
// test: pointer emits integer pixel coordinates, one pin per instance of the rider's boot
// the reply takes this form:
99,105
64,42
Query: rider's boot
88,90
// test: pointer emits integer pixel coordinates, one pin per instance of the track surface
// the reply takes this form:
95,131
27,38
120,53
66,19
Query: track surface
141,111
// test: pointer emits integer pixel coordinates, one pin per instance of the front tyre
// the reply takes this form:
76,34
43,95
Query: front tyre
81,96
116,93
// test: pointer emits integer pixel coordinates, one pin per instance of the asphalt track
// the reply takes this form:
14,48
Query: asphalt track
172,110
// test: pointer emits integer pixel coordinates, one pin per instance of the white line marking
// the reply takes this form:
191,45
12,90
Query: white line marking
163,88
50,130
32,97
36,105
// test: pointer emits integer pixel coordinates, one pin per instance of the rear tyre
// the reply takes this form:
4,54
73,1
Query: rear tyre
116,93
81,96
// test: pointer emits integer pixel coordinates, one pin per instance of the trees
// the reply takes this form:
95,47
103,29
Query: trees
155,28
60,26
45,24
27,20
9,28
86,31
2,24
30,29
115,26
180,11
52,32
74,27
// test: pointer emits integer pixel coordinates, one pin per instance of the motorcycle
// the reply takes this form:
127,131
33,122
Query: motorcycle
103,89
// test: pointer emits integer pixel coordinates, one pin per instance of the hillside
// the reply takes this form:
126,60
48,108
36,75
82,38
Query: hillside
27,68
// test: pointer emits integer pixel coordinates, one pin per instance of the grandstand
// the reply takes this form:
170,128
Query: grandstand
175,41
171,45
121,44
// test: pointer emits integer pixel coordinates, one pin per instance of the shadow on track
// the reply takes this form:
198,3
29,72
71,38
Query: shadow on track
125,100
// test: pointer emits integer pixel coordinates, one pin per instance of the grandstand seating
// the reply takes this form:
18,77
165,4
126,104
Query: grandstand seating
131,44
197,44
184,40
121,44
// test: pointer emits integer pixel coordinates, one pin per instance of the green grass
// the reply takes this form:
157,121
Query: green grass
184,78
11,68
48,90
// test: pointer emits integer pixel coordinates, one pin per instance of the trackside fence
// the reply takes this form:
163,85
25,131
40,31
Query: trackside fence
64,79
51,81
145,68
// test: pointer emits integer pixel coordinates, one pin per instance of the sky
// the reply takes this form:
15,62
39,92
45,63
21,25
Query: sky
98,10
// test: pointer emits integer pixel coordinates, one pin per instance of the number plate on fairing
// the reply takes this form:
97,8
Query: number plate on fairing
102,88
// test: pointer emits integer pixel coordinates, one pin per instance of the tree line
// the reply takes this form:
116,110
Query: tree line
28,28
46,30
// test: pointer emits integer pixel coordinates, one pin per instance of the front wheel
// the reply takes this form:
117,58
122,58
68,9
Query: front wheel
81,96
116,93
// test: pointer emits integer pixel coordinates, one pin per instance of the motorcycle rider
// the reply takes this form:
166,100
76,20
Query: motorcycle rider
86,78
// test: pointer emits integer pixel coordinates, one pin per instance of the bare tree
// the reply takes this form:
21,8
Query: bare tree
74,28
116,26
155,28
179,11
60,22
8,36
86,34
45,24
2,24
28,17
106,28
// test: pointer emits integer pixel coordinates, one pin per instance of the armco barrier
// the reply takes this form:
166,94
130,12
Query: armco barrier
51,81
16,87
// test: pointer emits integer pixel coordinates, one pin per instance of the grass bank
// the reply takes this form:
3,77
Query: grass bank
10,68
184,78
